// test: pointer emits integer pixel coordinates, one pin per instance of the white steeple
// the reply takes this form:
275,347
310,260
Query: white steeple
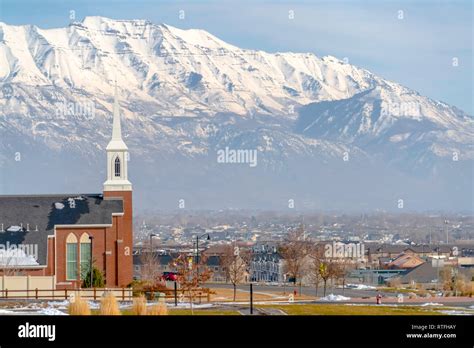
117,155
116,143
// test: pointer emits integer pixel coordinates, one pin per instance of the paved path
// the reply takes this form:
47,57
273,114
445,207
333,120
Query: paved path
305,290
356,296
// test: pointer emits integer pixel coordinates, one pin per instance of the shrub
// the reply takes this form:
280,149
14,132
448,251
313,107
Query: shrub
158,309
139,306
394,282
78,306
98,280
109,305
141,287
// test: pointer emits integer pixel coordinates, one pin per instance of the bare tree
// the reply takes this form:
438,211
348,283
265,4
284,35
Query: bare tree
190,274
316,255
294,251
9,265
327,271
235,263
150,267
452,280
341,269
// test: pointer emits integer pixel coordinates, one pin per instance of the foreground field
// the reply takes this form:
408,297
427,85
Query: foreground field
342,309
327,309
203,312
226,295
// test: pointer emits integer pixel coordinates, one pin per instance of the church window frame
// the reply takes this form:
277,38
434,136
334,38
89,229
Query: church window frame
71,257
117,167
85,255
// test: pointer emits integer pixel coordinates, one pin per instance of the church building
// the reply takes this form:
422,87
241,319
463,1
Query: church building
58,235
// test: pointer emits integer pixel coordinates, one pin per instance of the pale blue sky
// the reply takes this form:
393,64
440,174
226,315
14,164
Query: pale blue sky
416,51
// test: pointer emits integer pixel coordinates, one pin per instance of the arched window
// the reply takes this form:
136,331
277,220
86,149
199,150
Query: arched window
85,254
117,166
71,257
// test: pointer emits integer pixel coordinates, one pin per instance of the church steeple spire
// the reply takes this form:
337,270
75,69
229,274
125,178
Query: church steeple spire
117,154
117,128
116,143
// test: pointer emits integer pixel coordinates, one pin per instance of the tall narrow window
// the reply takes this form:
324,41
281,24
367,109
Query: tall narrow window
85,253
117,166
71,257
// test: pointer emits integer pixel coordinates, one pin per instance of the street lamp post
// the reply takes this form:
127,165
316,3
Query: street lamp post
151,241
446,227
437,266
91,238
197,253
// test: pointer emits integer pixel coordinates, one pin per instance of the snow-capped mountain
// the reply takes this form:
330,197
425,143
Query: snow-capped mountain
185,94
173,70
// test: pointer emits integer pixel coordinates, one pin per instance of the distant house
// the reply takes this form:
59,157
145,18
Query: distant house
380,255
427,275
266,264
405,261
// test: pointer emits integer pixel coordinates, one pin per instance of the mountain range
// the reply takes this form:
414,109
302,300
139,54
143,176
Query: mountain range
328,135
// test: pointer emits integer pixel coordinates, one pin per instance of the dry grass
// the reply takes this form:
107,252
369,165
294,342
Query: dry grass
109,305
341,309
203,312
226,295
467,288
79,306
139,306
158,309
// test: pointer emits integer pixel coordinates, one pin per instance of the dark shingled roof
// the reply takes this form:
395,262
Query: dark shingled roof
39,213
426,273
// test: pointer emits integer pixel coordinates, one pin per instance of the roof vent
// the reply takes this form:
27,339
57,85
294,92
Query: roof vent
14,229
59,205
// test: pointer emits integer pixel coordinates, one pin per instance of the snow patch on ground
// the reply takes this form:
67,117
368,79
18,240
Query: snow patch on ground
455,312
50,311
332,298
187,305
431,304
360,287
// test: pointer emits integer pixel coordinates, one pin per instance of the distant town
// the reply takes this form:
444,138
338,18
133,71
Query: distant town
422,251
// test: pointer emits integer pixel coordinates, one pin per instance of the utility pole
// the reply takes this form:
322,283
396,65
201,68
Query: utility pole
437,265
175,294
446,226
90,265
197,252
251,298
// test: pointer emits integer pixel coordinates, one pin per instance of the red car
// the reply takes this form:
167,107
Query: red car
169,276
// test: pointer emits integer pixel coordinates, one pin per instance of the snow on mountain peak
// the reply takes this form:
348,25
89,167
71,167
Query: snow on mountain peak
163,71
185,68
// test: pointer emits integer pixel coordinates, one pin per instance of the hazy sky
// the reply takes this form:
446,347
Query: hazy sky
416,51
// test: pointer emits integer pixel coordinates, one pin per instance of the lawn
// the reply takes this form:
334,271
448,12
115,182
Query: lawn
226,295
404,290
341,309
202,312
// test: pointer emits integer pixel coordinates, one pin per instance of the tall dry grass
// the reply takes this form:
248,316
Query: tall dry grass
78,306
139,306
158,309
109,305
